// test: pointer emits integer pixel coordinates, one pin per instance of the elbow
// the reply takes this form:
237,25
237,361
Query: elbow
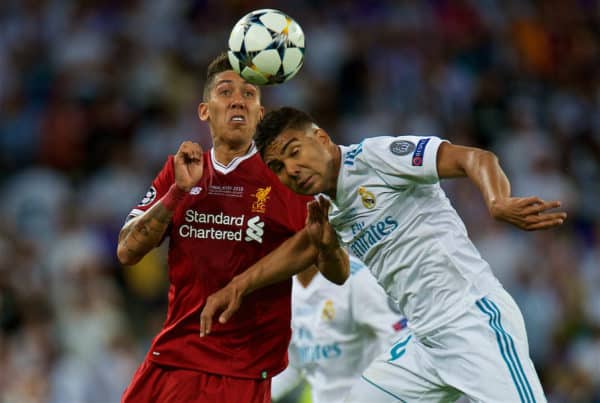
491,155
345,275
125,258
476,161
485,155
339,279
339,273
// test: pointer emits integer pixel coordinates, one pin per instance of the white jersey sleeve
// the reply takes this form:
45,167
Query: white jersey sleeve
403,160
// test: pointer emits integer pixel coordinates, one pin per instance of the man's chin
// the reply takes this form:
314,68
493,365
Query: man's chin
304,191
236,139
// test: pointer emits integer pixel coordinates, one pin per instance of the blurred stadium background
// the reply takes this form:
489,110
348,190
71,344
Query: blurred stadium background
95,93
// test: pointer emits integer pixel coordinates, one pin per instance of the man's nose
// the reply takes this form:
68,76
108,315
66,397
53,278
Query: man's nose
237,100
291,168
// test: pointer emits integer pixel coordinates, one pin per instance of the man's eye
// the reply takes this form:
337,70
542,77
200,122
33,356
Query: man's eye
275,166
249,94
225,92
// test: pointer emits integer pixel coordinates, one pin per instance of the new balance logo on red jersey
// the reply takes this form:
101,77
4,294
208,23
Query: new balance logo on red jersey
255,230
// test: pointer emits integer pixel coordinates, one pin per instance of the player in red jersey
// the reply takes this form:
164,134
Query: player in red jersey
223,211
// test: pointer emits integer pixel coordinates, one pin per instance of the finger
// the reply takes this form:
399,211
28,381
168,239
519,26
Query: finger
554,216
196,148
228,313
197,152
186,147
549,205
324,204
318,211
191,152
546,224
313,212
205,321
539,218
526,201
194,155
538,208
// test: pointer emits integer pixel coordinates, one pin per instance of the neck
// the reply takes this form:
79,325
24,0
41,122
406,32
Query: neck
225,153
306,276
336,162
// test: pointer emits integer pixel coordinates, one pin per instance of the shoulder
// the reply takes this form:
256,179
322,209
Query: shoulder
378,148
167,172
398,145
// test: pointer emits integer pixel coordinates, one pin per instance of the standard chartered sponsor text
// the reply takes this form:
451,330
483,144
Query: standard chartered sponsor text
207,218
191,231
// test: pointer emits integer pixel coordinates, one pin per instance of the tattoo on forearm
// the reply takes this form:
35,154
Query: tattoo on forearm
145,232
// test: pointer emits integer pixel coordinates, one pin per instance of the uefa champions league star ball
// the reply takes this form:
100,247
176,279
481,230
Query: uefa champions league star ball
266,47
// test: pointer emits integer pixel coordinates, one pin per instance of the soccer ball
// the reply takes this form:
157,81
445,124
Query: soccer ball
266,47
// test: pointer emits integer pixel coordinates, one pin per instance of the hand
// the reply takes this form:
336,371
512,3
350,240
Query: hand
320,231
188,165
228,298
528,213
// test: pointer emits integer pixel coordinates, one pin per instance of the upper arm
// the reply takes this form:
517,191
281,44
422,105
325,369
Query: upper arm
402,160
454,161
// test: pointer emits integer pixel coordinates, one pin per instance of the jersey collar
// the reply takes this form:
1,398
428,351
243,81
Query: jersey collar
225,169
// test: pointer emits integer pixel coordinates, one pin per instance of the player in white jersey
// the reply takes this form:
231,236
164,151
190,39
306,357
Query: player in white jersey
336,332
468,336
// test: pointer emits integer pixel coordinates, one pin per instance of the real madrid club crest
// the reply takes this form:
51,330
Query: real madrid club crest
368,198
328,310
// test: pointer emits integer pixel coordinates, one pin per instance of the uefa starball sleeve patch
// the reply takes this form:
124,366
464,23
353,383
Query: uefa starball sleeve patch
149,197
417,158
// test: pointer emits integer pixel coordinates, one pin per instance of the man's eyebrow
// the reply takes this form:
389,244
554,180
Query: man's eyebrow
223,82
287,144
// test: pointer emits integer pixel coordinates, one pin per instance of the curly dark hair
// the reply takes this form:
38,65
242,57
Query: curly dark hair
277,121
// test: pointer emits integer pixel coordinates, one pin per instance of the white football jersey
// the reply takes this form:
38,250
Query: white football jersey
336,332
391,212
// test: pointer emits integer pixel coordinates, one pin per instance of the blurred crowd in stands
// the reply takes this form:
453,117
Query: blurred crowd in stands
95,93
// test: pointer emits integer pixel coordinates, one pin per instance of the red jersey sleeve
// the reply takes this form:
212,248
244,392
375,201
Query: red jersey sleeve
160,185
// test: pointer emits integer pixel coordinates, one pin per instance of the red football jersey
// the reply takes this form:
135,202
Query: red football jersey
233,217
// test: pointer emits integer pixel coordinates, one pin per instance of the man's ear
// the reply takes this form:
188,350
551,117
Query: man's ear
203,111
322,136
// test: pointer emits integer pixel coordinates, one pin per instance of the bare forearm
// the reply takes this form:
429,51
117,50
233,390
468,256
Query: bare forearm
140,235
482,167
296,254
334,265
484,170
291,257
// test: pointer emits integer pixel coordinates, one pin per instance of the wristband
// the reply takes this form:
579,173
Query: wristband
173,196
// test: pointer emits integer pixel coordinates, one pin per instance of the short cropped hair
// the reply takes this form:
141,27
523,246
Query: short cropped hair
277,121
218,65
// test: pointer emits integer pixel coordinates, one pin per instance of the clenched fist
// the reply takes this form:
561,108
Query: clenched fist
188,165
